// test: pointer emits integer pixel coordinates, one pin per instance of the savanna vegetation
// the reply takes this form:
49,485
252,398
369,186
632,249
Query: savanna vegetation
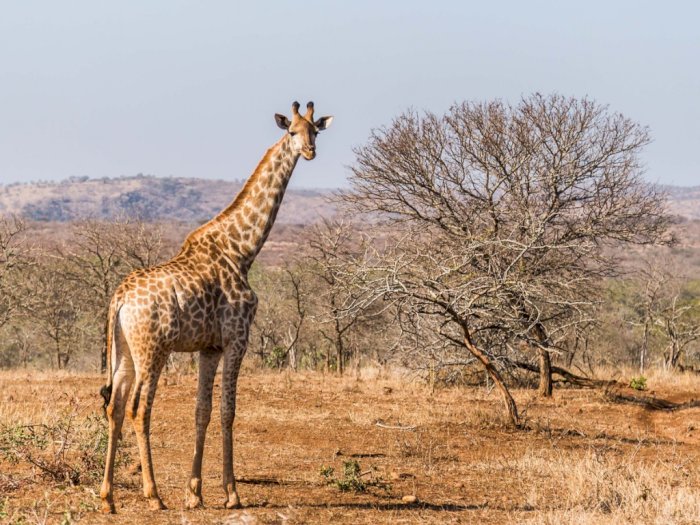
507,246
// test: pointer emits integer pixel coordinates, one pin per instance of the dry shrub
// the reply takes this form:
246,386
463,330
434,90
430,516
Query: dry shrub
68,450
601,488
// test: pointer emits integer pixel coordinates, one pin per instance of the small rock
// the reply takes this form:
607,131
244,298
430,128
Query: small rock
409,499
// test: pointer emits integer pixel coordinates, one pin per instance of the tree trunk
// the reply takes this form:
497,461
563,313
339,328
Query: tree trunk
643,349
545,387
57,350
511,407
674,353
339,346
293,358
339,355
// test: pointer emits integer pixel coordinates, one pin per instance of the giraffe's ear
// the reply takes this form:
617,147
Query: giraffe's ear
282,121
323,123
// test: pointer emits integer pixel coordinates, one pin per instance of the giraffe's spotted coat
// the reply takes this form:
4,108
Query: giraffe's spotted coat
199,301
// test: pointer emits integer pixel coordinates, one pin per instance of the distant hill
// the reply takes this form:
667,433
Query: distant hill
684,201
192,200
148,197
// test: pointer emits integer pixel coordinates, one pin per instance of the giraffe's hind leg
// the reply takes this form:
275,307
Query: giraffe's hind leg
140,410
115,410
208,363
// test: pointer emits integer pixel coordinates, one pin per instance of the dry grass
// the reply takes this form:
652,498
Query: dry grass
604,487
670,383
583,460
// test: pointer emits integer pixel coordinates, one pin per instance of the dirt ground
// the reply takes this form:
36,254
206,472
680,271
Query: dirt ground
583,458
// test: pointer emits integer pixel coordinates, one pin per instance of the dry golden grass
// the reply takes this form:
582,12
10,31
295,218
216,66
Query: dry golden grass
583,459
671,383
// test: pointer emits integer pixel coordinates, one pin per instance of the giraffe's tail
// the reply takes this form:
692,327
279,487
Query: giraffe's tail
106,390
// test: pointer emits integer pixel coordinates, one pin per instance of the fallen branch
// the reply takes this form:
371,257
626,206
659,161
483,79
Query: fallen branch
568,377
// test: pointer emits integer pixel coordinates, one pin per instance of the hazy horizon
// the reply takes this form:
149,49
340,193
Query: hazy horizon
189,90
299,187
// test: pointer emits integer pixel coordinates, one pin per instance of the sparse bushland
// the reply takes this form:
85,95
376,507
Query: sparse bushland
500,241
296,323
500,238
60,286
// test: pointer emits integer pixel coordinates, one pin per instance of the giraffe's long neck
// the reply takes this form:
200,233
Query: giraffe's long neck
247,221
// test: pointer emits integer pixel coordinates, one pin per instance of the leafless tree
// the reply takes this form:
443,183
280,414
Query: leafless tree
654,281
100,254
14,259
509,209
142,244
55,309
278,325
680,324
300,315
667,312
432,287
328,257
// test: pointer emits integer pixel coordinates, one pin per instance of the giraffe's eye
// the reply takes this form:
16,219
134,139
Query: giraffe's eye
292,133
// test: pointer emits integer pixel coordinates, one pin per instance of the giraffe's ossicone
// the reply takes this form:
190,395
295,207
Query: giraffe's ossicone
199,301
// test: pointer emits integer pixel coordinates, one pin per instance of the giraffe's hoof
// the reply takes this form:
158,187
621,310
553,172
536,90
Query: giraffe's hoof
193,502
193,494
233,502
108,507
156,504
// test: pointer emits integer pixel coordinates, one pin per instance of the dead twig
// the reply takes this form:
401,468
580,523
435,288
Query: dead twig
381,424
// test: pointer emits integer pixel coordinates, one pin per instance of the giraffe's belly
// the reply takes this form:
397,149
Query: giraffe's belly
196,334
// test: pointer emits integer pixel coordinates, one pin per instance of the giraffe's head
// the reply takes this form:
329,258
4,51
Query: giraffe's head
303,129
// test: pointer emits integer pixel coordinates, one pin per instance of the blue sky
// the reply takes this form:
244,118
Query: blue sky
189,88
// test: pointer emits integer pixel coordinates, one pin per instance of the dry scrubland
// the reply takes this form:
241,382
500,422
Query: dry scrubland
583,457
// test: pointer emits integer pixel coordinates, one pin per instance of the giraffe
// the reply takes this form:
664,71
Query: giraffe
199,301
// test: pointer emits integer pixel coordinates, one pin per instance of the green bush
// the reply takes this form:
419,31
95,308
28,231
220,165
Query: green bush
639,383
353,478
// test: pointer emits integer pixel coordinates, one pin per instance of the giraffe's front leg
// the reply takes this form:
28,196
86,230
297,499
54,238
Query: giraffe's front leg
208,362
232,363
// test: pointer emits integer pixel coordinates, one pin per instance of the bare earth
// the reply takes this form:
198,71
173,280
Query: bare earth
584,458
